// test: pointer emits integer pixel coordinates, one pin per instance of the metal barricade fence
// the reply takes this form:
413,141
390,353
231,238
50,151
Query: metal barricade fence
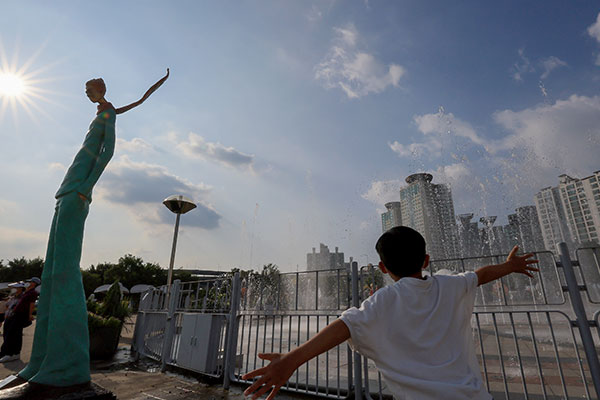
279,313
188,330
588,261
149,334
531,340
200,325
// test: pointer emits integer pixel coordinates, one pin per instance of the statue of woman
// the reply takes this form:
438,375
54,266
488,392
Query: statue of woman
60,361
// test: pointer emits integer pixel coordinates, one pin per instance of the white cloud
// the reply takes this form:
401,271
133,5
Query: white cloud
446,123
347,36
564,136
142,187
431,148
135,145
197,147
540,143
314,14
550,64
594,29
521,67
382,192
56,166
453,174
355,71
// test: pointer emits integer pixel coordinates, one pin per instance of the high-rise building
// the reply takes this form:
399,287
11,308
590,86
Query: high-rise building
530,233
324,259
428,208
551,217
468,237
393,216
487,236
581,201
512,231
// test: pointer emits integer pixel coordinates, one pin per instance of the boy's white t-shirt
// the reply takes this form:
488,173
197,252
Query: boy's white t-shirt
418,333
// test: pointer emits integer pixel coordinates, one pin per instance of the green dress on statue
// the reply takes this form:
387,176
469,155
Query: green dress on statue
60,354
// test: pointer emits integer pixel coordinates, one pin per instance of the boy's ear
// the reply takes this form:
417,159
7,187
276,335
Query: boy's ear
426,262
382,267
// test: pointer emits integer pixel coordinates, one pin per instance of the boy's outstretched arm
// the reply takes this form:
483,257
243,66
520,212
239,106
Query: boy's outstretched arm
282,366
513,263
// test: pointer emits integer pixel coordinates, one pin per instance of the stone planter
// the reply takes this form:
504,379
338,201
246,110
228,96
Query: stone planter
104,340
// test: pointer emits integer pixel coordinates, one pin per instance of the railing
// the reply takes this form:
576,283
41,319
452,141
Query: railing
279,313
530,339
588,260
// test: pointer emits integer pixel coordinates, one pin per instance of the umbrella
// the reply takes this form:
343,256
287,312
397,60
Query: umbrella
104,288
141,288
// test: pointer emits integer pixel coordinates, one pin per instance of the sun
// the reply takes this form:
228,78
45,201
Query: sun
12,85
21,86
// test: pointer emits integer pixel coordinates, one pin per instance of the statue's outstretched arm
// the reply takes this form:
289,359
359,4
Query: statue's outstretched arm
121,110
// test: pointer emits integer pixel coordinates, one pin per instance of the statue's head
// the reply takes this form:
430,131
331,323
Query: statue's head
95,89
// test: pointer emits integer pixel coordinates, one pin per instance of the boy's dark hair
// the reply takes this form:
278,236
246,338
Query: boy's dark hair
402,250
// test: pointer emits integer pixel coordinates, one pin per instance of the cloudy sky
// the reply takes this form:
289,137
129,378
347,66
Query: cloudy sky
290,122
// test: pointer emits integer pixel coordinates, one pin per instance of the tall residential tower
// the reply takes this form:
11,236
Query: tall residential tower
429,209
393,216
581,201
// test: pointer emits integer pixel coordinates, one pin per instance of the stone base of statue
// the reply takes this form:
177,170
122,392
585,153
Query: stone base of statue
12,388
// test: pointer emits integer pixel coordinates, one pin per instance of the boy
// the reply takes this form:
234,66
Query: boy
417,331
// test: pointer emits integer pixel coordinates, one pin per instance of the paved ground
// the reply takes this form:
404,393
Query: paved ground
127,382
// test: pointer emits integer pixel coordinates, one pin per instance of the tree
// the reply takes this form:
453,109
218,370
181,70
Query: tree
91,280
131,270
260,289
20,269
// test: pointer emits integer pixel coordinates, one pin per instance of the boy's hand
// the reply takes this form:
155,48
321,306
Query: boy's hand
274,375
520,264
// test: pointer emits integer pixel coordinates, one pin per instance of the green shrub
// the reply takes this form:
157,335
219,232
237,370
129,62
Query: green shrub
92,306
96,321
112,306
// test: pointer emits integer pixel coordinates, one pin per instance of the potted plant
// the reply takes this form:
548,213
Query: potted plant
105,322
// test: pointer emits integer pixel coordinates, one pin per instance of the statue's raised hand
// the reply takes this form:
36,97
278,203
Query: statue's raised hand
152,89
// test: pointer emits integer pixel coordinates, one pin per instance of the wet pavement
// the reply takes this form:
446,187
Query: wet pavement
140,385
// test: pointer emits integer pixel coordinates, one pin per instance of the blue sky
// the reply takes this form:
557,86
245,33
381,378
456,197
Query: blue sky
292,122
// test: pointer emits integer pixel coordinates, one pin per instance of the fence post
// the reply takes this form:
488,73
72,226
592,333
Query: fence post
170,326
232,330
356,303
582,322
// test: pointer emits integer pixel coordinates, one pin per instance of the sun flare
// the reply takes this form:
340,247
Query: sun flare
21,86
12,85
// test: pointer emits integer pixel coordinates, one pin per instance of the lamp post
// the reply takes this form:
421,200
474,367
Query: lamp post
178,204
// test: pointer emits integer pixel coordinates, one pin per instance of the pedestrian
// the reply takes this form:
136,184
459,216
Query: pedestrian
18,316
16,290
3,306
417,331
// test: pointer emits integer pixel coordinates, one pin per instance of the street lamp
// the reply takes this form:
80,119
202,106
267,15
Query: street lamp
178,204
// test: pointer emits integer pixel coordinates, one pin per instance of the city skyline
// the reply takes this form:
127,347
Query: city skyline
569,212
